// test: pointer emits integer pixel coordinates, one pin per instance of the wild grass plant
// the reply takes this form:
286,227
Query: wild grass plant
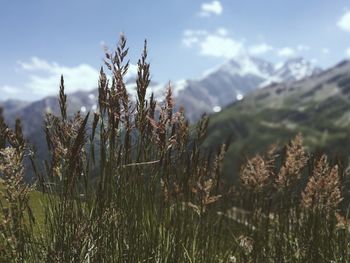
131,183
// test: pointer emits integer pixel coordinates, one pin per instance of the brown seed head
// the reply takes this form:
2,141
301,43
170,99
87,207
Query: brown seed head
322,192
295,161
256,174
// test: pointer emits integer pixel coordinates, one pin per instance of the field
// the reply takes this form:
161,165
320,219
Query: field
133,183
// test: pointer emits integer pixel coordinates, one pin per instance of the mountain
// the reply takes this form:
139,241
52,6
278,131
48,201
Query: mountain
210,93
12,106
317,106
32,115
292,70
219,87
231,81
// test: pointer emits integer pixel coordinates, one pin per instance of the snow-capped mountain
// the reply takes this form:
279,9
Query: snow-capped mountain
291,70
235,78
318,106
244,66
296,69
213,91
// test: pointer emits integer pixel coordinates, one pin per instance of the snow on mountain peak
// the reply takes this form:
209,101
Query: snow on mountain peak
245,65
178,86
291,70
232,79
295,69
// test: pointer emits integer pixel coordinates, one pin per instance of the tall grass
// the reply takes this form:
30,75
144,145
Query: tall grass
131,183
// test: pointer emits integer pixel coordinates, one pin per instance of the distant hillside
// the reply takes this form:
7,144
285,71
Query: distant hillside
318,107
215,90
32,114
13,106
210,93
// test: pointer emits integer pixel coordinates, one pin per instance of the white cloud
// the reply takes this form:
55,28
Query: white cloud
344,22
278,65
286,52
44,77
192,37
37,64
221,44
132,71
222,31
8,92
11,90
212,8
217,44
303,48
325,51
347,52
260,49
314,61
190,41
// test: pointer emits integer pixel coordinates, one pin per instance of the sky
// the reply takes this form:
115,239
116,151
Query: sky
42,39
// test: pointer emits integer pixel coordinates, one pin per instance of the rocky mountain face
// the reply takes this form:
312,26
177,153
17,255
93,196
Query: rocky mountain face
318,107
13,106
234,79
216,89
32,116
257,114
292,70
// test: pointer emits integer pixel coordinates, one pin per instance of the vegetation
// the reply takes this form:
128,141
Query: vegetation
132,183
317,107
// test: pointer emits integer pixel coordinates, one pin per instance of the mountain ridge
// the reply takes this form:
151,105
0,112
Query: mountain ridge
318,107
210,93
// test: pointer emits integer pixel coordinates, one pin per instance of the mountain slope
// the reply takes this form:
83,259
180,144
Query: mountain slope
232,80
318,107
217,89
12,106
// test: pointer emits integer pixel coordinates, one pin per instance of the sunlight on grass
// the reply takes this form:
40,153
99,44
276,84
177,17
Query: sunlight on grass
133,183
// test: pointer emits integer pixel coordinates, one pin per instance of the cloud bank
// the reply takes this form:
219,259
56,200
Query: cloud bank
221,45
44,77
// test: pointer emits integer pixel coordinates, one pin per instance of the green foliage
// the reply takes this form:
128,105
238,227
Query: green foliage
132,183
264,118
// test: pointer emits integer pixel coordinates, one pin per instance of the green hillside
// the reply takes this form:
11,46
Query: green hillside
317,107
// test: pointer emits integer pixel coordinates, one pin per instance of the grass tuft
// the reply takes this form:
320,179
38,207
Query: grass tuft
132,183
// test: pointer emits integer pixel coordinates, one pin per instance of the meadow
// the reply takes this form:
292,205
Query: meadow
131,182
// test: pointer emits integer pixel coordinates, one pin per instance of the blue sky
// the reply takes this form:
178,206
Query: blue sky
41,39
